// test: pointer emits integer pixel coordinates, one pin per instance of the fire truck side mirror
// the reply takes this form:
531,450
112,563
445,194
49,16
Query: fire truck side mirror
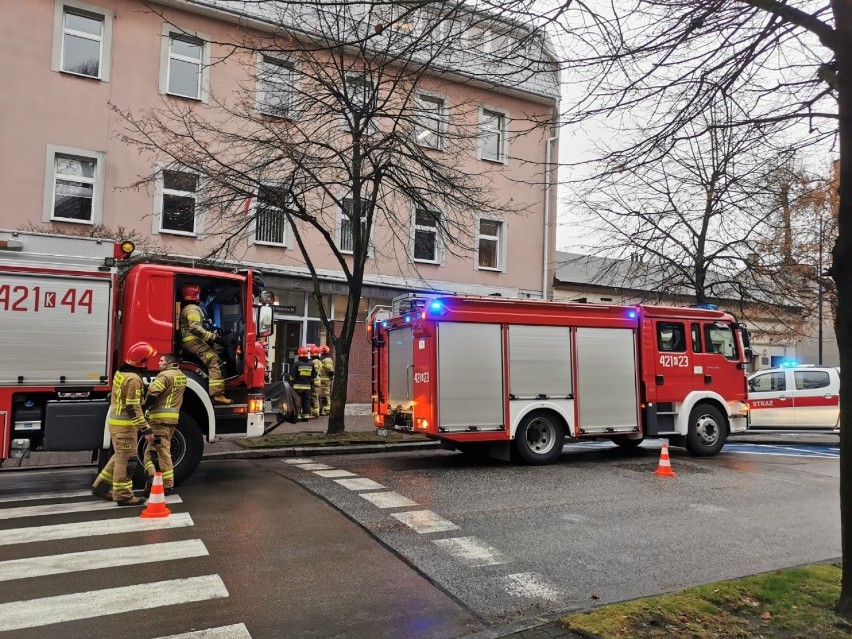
264,321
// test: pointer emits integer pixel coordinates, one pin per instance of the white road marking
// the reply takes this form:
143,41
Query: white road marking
425,521
526,584
95,559
472,551
33,496
316,467
334,473
388,500
62,509
237,631
298,460
359,484
93,528
109,601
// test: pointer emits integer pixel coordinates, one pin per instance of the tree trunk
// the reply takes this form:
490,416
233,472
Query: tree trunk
336,420
842,274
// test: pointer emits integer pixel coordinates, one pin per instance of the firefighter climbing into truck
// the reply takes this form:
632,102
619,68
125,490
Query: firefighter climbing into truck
515,378
89,305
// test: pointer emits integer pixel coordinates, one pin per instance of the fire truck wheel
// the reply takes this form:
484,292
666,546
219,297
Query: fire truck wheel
540,438
707,431
187,449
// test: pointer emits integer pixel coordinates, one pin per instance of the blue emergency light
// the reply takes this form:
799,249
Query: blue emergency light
789,363
706,307
407,318
631,314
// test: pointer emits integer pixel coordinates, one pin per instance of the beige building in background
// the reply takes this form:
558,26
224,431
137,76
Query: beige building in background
64,165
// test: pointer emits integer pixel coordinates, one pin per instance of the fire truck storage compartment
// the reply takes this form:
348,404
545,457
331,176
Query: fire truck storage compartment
606,380
400,369
539,362
75,425
54,330
470,377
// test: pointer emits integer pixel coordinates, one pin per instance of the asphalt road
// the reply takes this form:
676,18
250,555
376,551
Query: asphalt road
421,544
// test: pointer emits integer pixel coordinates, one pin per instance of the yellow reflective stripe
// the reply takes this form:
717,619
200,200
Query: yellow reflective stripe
168,474
157,385
191,338
120,421
161,413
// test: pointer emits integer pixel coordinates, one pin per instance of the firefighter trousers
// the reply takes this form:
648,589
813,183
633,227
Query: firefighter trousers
210,358
325,397
119,469
304,402
163,433
315,400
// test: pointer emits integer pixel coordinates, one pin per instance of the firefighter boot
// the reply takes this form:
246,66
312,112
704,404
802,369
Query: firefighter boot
131,501
102,491
221,399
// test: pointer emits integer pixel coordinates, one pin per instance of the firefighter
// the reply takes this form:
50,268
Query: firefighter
165,396
198,340
315,397
126,419
325,380
302,377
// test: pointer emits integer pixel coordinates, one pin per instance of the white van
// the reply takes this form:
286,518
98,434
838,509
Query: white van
795,397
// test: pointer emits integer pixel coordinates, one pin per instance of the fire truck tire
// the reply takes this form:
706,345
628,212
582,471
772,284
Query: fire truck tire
187,450
626,442
539,438
707,431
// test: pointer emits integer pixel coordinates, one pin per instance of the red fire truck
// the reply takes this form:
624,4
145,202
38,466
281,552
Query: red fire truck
68,314
515,377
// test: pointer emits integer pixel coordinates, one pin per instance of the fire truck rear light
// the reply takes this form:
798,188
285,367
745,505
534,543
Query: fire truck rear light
255,405
378,420
422,423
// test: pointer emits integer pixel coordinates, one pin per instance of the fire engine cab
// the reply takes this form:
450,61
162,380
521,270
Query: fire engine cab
514,378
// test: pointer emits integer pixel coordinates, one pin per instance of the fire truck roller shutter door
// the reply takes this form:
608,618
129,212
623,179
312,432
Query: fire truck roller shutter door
470,374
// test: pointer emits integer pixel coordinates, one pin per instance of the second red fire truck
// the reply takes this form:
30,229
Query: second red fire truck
514,378
68,315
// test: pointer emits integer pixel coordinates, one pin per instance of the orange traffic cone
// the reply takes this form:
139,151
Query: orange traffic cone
665,467
157,501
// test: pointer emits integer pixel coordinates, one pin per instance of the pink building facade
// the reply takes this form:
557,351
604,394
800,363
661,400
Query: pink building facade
65,165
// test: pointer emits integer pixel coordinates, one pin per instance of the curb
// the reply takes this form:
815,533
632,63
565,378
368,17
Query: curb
312,451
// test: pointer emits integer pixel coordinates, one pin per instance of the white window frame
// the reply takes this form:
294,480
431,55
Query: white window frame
292,84
98,182
503,132
443,120
169,32
286,241
60,8
160,190
435,230
339,231
502,243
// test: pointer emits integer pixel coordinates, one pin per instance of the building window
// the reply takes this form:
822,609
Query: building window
426,235
360,103
178,202
276,85
430,126
492,135
489,243
82,38
270,219
74,188
347,242
185,67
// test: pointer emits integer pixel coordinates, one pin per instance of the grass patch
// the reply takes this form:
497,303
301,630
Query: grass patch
789,604
279,440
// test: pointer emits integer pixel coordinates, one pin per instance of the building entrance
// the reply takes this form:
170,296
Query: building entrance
287,341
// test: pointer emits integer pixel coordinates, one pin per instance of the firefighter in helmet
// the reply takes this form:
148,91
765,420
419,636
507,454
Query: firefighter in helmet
196,339
302,377
126,419
163,402
315,398
327,368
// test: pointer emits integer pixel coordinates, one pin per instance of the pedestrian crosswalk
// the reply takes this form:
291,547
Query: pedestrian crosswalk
27,552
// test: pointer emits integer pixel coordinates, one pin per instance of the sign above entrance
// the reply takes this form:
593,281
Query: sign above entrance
285,310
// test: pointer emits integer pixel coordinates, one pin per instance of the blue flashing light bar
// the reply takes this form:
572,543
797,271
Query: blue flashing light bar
707,307
789,363
436,307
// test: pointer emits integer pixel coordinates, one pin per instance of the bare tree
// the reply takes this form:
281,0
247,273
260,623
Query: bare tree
330,136
658,65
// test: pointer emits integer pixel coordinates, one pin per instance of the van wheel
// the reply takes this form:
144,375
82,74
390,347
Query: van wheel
540,438
187,449
707,431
